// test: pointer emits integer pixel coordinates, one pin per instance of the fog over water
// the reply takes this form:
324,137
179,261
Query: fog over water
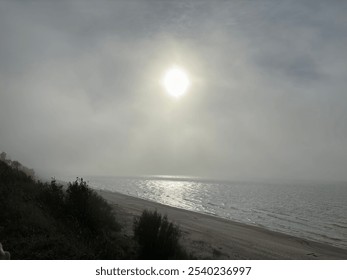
80,90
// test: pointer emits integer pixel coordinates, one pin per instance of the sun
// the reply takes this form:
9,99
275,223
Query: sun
176,81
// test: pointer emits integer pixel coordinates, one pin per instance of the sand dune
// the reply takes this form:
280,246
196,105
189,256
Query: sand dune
209,237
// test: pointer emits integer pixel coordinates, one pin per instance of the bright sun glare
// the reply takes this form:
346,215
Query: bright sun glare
176,81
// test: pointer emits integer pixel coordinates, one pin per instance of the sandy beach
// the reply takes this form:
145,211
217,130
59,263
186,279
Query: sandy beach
209,237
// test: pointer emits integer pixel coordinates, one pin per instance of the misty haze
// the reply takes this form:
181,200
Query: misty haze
225,120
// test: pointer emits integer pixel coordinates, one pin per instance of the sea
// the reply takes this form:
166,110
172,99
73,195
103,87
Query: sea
314,211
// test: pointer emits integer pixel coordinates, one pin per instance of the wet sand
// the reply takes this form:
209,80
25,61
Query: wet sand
209,237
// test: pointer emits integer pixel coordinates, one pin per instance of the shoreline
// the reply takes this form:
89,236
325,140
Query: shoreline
212,237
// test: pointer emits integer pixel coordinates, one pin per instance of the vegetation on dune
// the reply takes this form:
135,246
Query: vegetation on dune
158,238
45,221
49,221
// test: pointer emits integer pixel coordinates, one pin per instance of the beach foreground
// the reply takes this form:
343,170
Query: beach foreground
209,237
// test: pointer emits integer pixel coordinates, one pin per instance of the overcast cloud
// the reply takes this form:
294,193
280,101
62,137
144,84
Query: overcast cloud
80,90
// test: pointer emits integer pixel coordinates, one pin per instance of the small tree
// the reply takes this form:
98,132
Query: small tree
158,238
54,197
89,209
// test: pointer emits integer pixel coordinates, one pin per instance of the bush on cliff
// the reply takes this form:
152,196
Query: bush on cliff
45,221
157,237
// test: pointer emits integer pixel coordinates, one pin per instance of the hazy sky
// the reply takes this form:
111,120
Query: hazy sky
80,90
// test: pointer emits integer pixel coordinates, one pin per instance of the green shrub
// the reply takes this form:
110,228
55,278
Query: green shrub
88,209
53,197
157,237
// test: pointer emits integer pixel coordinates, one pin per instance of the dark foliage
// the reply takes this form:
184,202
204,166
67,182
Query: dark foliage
44,221
158,238
88,209
53,197
50,221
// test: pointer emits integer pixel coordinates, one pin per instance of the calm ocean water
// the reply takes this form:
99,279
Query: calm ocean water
312,211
